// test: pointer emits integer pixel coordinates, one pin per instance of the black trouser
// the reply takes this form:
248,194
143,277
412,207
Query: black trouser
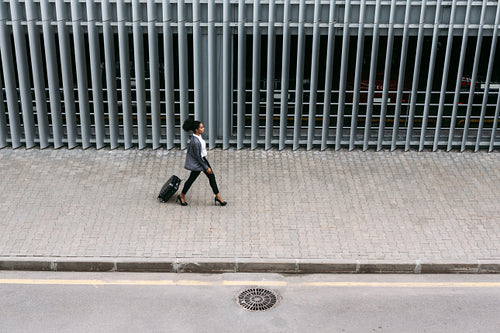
195,174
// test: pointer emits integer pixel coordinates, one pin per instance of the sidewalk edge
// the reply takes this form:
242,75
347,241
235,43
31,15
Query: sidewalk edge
247,265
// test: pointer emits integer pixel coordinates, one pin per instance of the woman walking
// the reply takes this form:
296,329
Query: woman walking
196,162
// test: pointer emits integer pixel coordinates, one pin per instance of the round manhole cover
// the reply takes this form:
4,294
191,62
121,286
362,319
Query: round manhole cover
257,299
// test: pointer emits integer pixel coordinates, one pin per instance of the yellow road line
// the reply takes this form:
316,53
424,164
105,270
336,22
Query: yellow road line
105,283
404,284
251,283
256,283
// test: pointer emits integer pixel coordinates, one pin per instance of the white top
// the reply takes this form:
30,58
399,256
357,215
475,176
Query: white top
203,145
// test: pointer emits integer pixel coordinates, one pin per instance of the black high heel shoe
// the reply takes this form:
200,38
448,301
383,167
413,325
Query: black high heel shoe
222,203
180,201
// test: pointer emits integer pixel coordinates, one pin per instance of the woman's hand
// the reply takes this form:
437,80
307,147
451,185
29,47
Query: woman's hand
209,171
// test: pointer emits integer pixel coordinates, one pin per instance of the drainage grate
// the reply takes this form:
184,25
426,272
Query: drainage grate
257,299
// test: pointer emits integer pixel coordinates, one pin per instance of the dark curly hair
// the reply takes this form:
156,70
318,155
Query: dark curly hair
191,125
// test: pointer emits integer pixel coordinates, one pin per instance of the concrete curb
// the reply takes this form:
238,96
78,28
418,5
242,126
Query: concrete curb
246,265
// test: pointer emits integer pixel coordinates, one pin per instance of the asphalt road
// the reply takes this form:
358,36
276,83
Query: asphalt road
119,302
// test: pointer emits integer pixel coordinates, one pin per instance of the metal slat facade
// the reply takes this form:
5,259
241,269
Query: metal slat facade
354,74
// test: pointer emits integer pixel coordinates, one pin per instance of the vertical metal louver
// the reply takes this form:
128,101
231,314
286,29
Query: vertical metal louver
355,74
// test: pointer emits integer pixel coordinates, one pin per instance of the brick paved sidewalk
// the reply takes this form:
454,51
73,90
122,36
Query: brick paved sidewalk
390,206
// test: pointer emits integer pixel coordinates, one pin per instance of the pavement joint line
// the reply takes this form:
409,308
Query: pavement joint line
418,267
228,283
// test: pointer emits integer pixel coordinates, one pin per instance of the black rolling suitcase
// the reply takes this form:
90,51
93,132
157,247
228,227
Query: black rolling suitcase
170,187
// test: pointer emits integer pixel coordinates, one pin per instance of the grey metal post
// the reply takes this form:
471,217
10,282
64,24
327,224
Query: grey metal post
373,72
285,66
3,120
38,75
401,77
23,74
81,73
357,75
12,107
52,74
169,73
139,71
430,75
241,74
9,79
226,72
343,75
197,57
299,78
95,69
154,75
67,73
126,96
270,74
416,75
329,73
183,69
444,80
212,75
314,76
387,76
255,74
109,62
477,56
496,119
488,78
463,52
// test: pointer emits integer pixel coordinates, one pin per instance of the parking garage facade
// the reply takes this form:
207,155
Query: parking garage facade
393,74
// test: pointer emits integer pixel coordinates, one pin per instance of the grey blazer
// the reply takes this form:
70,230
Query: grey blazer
194,162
